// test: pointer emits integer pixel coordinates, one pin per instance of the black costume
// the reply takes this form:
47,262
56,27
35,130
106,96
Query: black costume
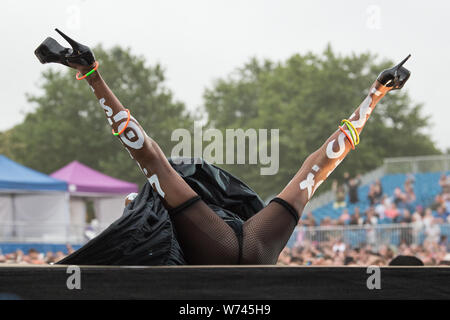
145,235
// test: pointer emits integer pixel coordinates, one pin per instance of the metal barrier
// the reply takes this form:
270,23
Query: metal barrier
375,235
394,233
436,163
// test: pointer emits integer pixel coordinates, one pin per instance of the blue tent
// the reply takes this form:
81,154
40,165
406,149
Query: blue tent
14,176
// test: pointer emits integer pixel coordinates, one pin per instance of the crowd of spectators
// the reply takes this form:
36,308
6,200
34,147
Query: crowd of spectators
399,207
338,253
34,257
321,247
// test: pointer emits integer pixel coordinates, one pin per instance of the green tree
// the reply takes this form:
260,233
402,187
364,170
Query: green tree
68,123
306,97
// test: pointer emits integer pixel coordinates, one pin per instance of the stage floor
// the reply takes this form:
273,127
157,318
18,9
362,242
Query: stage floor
223,282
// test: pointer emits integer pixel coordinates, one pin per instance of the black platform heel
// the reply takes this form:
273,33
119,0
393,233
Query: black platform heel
395,77
51,51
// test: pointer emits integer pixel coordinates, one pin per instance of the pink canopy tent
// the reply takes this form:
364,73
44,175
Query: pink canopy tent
107,193
82,179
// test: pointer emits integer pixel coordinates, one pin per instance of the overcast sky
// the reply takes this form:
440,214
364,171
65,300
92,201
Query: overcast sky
199,41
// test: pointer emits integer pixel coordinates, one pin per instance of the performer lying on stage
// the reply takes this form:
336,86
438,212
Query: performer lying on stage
204,236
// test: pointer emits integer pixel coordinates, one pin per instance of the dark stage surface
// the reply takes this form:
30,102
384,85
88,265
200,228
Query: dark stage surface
223,282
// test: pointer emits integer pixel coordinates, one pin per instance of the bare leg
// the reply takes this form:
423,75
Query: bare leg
271,228
148,155
204,237
319,165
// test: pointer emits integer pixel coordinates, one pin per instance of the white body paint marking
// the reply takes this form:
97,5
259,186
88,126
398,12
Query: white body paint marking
364,111
107,109
375,92
309,182
120,115
136,131
330,153
139,143
154,180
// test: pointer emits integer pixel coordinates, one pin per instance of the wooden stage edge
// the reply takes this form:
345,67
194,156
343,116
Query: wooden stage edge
223,282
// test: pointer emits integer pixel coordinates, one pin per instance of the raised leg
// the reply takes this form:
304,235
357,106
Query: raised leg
266,233
143,149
